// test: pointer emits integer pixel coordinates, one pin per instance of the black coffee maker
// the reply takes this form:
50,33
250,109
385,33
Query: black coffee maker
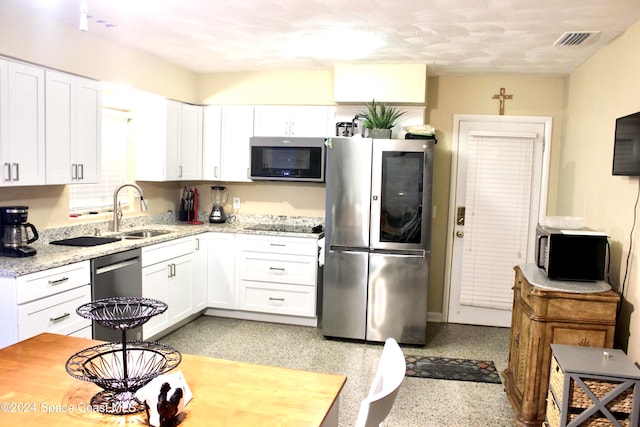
14,226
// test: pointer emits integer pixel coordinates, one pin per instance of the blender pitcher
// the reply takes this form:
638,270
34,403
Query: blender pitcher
219,196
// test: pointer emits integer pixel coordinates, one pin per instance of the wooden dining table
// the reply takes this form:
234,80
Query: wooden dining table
35,389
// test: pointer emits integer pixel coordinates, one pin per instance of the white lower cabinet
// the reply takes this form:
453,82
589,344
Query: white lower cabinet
221,270
277,298
277,275
200,281
45,301
85,332
168,272
55,314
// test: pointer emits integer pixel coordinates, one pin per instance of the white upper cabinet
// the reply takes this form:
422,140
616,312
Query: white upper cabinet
88,149
211,127
236,130
395,83
73,128
4,114
292,121
227,131
168,138
190,142
22,124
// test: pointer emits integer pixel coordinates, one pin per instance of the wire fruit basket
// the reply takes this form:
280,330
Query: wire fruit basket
121,368
122,313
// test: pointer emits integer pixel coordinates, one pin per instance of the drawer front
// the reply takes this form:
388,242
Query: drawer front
55,314
277,299
300,270
279,245
582,309
55,280
166,250
574,335
83,333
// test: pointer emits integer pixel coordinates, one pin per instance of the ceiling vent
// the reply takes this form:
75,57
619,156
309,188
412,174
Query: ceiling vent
575,38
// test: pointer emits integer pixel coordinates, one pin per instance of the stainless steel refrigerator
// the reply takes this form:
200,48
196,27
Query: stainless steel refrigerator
378,232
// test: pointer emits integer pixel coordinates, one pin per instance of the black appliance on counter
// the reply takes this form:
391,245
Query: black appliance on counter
287,159
573,255
15,236
219,196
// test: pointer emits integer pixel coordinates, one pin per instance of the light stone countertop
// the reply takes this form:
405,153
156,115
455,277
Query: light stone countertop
51,256
536,277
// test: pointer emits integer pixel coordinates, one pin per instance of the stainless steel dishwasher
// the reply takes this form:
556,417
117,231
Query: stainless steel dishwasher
116,275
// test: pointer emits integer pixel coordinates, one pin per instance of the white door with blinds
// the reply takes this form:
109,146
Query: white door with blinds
500,191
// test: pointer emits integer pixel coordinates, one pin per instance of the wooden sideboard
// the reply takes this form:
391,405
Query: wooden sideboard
542,317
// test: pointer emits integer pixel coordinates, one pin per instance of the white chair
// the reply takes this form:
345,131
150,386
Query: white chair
384,389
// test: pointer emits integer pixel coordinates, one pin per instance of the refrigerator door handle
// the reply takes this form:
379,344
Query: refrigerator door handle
406,254
339,248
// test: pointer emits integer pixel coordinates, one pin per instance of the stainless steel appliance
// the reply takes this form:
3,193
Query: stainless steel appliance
287,159
116,275
15,232
575,255
219,196
357,125
354,127
378,232
344,129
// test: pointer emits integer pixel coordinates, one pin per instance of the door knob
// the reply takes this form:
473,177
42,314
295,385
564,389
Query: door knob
460,234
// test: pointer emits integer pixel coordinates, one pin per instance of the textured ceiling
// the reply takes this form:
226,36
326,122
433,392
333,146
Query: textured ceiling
450,36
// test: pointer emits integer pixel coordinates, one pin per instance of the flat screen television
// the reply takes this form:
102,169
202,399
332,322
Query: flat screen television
626,148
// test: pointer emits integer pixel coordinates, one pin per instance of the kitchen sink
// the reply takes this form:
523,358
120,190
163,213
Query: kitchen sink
143,234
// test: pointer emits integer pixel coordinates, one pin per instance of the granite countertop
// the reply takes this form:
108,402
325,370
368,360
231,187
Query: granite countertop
51,256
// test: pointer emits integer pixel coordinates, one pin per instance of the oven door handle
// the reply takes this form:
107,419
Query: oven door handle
117,265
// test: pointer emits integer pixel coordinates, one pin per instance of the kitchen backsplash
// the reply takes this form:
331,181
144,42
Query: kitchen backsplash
168,218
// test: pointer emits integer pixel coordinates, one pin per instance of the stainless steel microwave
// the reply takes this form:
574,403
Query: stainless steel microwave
287,159
574,255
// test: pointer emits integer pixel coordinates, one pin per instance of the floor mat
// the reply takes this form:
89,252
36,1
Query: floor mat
443,368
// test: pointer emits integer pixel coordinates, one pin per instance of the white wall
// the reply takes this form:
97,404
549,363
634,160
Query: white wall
605,87
28,34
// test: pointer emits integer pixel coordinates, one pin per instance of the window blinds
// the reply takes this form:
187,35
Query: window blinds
498,200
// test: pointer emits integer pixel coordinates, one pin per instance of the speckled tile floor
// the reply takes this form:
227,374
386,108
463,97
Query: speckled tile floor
420,402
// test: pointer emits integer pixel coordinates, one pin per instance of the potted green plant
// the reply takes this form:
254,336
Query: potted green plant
380,119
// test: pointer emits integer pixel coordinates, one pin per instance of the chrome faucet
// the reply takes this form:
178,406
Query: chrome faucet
117,211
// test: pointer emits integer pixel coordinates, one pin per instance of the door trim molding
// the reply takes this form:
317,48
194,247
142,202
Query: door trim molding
544,187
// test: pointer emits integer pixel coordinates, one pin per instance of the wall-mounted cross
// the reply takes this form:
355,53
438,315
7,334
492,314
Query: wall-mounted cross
502,96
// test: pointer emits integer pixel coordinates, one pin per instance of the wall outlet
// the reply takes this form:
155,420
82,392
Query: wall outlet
236,203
